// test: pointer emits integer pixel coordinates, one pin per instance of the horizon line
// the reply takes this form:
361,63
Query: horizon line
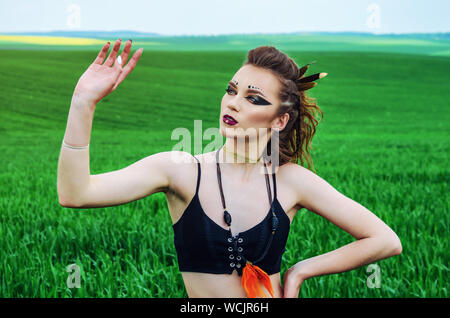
222,34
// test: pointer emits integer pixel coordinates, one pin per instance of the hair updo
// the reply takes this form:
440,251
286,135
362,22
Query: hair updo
295,139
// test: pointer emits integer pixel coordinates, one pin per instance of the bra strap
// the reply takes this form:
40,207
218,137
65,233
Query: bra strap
199,173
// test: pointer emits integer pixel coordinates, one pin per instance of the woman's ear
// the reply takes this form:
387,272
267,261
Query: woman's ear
281,122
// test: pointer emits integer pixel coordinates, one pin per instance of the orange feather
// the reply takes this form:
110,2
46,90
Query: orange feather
251,277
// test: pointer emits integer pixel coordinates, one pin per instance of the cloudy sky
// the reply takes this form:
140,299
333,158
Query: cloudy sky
212,17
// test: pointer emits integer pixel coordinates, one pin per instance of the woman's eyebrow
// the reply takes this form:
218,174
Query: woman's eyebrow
248,90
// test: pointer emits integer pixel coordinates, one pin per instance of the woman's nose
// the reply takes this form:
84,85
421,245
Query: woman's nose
233,106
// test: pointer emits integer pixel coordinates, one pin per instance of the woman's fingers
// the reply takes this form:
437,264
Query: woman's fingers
132,63
102,54
126,52
129,67
117,67
113,54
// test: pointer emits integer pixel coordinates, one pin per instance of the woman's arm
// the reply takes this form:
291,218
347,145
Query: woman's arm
375,240
97,81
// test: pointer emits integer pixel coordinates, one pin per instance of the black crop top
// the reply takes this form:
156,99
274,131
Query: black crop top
204,246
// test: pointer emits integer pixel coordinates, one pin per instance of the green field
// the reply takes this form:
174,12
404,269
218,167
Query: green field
384,142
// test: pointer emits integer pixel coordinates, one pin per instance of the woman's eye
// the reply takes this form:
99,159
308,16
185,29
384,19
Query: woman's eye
228,90
253,100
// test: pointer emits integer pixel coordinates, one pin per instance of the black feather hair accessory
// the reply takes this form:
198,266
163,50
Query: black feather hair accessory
305,83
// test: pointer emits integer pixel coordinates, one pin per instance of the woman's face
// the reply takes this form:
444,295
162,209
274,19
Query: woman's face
252,100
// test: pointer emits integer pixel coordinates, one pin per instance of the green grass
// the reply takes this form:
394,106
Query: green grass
383,142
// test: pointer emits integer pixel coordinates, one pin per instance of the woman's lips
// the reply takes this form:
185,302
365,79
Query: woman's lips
229,120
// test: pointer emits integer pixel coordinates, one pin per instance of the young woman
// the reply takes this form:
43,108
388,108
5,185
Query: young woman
230,221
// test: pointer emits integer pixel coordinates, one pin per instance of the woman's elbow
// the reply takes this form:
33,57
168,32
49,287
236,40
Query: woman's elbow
388,244
395,245
398,247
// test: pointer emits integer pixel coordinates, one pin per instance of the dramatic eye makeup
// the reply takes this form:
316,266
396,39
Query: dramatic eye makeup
257,100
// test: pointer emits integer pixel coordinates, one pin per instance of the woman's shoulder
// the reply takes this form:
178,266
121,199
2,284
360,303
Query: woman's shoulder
182,171
291,166
178,164
183,159
292,172
180,157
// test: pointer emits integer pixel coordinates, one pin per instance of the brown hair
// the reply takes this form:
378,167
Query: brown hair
295,139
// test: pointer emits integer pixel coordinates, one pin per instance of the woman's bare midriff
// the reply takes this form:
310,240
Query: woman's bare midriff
202,285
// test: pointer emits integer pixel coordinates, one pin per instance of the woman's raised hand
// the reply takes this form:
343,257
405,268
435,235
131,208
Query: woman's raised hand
100,78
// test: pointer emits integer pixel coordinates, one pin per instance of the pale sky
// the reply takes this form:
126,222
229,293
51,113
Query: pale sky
213,17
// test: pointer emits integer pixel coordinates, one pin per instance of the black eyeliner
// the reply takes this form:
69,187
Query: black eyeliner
261,101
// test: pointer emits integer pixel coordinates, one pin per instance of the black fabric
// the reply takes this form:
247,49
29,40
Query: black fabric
204,246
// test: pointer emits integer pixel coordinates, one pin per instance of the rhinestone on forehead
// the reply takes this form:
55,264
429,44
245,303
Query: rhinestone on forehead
250,86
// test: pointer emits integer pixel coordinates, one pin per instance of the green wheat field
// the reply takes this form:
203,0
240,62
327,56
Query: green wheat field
383,141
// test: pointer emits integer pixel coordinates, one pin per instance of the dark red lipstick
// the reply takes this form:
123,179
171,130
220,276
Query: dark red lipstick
227,119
